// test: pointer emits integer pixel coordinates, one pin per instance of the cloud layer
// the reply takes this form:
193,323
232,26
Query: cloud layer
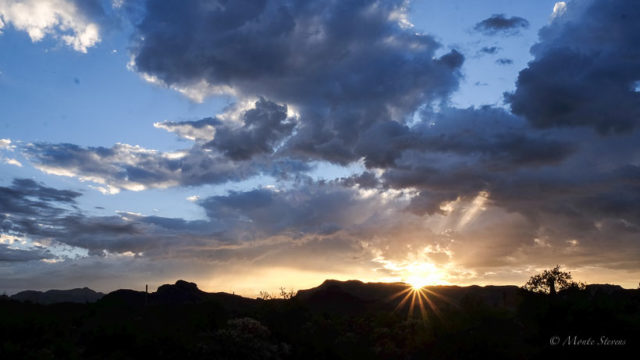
343,66
480,190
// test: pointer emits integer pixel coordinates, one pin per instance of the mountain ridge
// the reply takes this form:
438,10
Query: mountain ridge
53,296
359,293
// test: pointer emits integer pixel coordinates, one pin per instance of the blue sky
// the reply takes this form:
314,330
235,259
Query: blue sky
434,156
55,94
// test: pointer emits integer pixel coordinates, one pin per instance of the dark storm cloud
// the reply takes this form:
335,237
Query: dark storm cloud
569,191
34,212
496,138
8,254
25,204
349,70
309,209
27,197
343,65
585,70
489,135
384,142
504,61
366,180
501,24
263,128
118,234
235,219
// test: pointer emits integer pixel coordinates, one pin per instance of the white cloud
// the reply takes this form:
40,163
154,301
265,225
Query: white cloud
13,162
401,16
5,144
204,133
59,18
10,239
196,92
559,8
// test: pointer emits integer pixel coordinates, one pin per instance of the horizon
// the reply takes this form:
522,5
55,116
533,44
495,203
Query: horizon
275,292
253,145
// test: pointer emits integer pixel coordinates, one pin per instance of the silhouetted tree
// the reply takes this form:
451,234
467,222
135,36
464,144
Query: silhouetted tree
284,294
287,294
551,281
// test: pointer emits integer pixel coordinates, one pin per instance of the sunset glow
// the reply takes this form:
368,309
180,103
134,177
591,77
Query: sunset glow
422,274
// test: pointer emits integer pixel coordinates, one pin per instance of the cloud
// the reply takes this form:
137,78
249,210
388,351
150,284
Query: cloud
343,66
5,144
244,130
316,208
482,215
135,168
71,21
584,70
472,190
263,128
202,130
491,136
235,221
366,180
26,207
559,9
27,197
7,254
500,24
490,50
42,219
236,145
504,61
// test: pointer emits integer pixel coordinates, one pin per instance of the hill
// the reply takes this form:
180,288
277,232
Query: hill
336,320
79,295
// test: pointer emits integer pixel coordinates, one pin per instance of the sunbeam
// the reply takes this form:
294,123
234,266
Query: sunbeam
413,294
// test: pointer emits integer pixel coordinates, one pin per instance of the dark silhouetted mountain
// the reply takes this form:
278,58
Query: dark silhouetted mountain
180,293
79,295
358,289
336,320
124,297
604,289
355,295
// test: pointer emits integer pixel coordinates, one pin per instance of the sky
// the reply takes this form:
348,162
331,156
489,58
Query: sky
257,144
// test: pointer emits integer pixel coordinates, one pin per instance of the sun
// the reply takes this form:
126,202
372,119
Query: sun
417,282
421,274
417,297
